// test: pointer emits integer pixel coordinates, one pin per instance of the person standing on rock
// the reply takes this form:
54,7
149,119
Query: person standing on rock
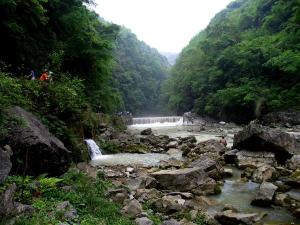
223,141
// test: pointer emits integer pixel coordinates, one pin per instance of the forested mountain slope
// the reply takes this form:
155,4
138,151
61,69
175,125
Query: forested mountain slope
244,64
140,71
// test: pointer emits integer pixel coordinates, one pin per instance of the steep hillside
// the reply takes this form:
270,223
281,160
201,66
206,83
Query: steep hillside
139,73
244,64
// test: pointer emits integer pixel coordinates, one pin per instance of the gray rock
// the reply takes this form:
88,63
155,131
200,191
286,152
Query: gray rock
210,146
257,137
195,180
147,131
229,217
264,173
171,222
67,209
255,159
5,165
265,195
172,144
173,203
294,162
143,221
142,182
35,147
132,209
7,204
212,167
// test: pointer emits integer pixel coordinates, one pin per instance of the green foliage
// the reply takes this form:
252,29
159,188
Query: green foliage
139,73
244,64
87,196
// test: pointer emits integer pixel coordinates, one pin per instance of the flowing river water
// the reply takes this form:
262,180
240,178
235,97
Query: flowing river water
235,192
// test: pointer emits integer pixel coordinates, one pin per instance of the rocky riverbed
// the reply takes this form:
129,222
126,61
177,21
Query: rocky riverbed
257,181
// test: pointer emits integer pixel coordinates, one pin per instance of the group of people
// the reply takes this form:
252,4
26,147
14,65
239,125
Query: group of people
45,75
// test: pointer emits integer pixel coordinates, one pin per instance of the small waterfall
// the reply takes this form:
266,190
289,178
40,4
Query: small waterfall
94,149
159,121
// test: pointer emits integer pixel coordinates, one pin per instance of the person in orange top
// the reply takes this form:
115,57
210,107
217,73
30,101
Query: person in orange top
44,76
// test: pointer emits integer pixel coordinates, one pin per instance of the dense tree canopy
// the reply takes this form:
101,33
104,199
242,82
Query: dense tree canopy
139,74
61,36
246,62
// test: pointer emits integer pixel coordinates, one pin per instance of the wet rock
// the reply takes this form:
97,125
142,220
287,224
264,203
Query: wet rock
247,173
188,140
230,156
230,207
265,195
172,144
68,211
293,180
147,131
254,159
143,221
36,150
230,218
257,137
294,162
280,199
132,209
209,146
212,167
5,165
228,172
189,179
282,171
264,173
185,149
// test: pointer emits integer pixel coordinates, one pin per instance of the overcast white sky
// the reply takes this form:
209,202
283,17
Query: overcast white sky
167,25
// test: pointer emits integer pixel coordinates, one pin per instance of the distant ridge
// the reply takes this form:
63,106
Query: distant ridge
171,57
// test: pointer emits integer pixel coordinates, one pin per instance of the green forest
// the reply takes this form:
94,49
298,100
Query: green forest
245,64
139,74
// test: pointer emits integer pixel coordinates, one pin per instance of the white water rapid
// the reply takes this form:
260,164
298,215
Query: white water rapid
157,121
94,149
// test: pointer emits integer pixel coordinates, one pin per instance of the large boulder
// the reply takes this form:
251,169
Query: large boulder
264,173
255,159
212,167
36,150
195,180
265,195
5,165
256,137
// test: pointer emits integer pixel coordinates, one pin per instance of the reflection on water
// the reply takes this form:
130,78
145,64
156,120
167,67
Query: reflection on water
240,194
